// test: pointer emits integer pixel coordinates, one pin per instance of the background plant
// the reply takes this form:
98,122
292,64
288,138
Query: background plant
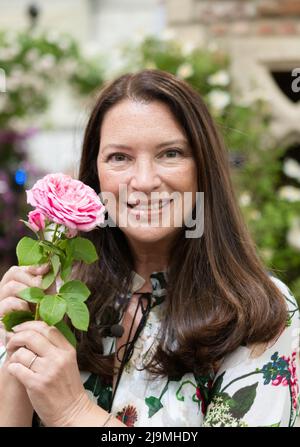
34,63
266,186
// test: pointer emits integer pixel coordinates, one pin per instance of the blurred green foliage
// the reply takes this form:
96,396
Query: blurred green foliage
268,193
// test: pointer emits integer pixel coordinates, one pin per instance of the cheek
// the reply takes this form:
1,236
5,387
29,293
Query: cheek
108,181
184,179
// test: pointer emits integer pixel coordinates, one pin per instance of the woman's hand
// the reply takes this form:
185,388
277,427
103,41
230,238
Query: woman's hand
11,389
15,280
52,378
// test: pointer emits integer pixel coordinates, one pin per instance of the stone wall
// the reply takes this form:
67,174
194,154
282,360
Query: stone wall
262,36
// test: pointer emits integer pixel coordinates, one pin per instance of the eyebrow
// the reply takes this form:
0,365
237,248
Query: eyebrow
166,143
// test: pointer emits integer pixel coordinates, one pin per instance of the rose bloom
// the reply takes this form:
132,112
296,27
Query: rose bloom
36,220
66,201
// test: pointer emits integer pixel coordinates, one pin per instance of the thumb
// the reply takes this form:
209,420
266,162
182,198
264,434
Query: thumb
52,290
38,269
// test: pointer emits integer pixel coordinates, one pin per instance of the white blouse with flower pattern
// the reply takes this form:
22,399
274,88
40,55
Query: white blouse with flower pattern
249,389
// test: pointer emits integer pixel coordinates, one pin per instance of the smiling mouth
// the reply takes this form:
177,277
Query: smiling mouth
154,206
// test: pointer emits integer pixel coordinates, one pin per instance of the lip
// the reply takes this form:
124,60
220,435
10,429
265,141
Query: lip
145,209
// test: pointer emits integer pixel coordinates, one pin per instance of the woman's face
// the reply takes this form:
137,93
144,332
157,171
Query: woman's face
144,151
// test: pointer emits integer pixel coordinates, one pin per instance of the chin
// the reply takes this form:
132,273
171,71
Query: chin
149,234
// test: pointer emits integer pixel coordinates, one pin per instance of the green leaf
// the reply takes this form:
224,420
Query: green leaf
52,309
51,248
16,317
29,251
83,250
49,278
216,386
66,246
78,313
66,267
153,404
31,294
66,331
55,261
242,400
100,389
74,289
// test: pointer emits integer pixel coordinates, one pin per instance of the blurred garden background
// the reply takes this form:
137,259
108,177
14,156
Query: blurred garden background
241,55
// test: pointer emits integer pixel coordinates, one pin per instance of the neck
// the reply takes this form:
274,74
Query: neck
149,258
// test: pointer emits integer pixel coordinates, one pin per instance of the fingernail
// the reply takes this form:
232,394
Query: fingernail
38,280
42,266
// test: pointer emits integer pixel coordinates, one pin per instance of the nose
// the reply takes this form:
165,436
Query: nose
145,177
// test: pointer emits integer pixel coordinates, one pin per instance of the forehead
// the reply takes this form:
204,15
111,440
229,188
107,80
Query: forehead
131,117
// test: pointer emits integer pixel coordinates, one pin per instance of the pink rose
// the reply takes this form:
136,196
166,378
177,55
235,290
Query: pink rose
36,220
66,201
71,233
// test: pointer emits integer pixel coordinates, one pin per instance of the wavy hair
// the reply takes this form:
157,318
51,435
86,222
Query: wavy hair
219,294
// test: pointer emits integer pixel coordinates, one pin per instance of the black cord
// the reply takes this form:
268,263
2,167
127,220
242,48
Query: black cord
128,352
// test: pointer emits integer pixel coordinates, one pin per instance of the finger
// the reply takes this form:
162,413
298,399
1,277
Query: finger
51,333
12,288
33,341
11,304
38,269
5,336
24,273
26,358
23,374
2,336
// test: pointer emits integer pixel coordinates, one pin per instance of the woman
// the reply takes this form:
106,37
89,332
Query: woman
187,328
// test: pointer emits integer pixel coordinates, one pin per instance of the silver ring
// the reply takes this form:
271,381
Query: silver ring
31,363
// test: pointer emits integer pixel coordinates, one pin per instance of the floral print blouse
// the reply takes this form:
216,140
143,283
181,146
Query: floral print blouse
259,388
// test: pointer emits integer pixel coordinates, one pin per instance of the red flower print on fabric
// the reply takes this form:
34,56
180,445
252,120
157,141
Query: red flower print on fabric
128,415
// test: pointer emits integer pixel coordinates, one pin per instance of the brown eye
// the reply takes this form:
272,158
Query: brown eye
117,157
172,153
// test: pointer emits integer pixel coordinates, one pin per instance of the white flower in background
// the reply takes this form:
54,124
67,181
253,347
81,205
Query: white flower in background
291,168
69,67
19,124
168,34
220,78
32,55
34,82
185,71
248,98
245,199
53,37
64,44
267,253
212,47
218,99
255,215
293,235
15,79
9,53
150,65
187,48
139,36
289,193
47,62
11,38
90,50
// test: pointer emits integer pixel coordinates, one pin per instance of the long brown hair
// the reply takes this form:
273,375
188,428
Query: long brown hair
219,293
